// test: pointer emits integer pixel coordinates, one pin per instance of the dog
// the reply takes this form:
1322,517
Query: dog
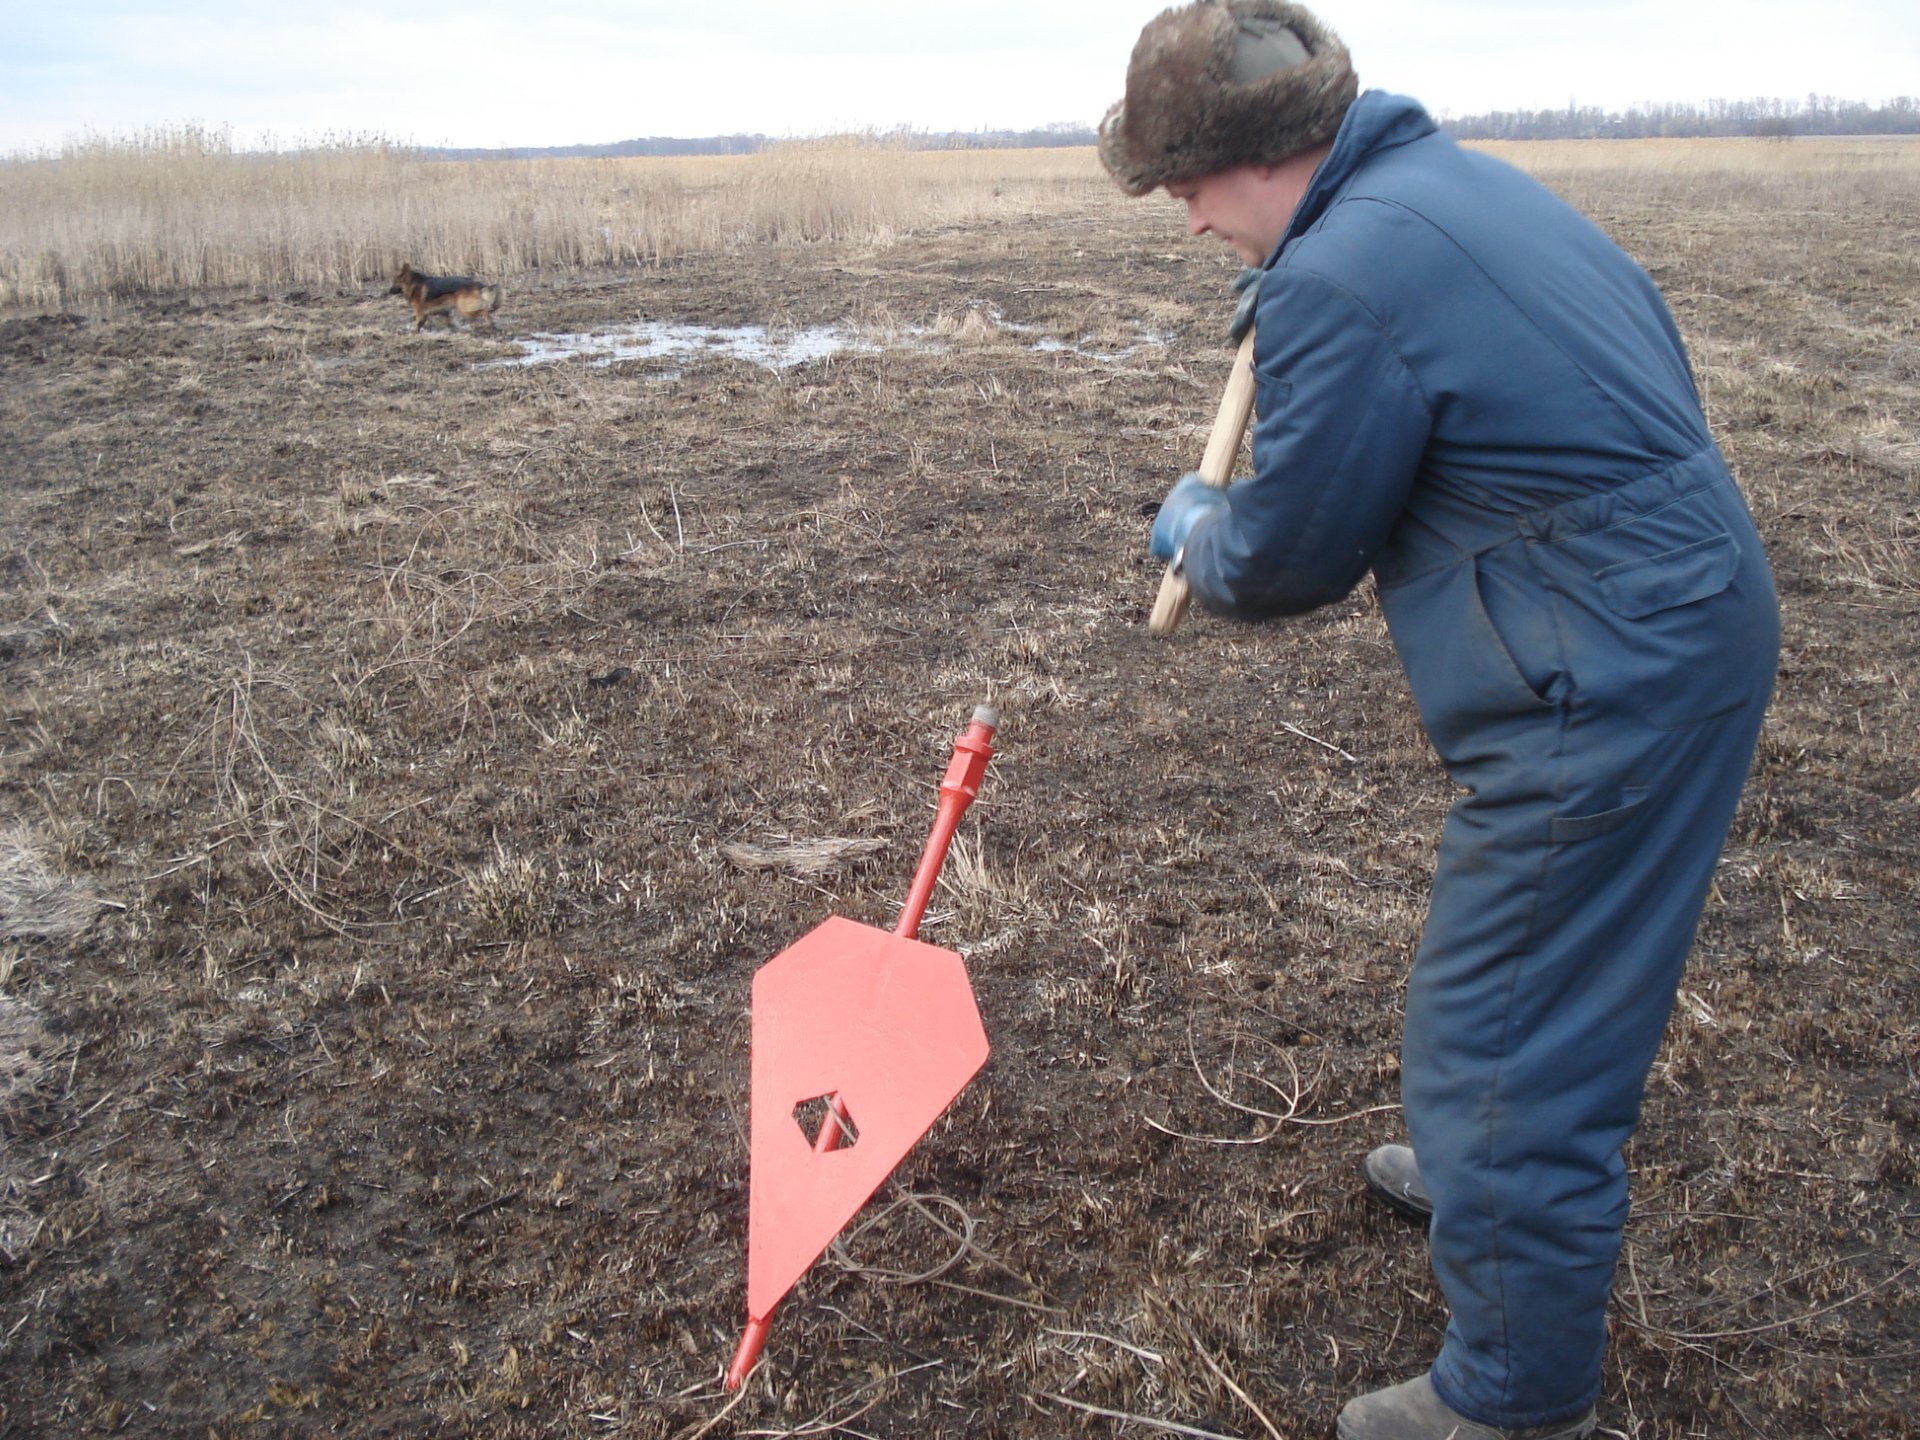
446,295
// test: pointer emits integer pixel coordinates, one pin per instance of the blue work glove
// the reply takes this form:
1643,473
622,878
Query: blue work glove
1190,499
1247,286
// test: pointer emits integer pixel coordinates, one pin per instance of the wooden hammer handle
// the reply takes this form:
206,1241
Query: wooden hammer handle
1216,468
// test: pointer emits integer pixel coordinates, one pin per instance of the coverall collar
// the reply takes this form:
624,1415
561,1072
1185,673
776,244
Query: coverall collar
1378,120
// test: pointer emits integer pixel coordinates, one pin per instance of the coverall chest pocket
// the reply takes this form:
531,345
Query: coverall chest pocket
1652,619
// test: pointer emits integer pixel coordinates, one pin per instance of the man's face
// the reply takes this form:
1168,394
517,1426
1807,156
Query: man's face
1248,206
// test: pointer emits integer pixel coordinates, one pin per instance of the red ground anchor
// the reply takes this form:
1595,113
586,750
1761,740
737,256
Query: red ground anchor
870,1036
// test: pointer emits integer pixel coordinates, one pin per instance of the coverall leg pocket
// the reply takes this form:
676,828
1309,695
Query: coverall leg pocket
1570,829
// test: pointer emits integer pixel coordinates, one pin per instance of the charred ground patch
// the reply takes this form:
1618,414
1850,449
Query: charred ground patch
399,722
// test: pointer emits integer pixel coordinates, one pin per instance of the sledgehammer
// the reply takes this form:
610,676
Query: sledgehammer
1216,468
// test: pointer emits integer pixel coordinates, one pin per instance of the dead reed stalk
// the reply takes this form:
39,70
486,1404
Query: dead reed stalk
176,210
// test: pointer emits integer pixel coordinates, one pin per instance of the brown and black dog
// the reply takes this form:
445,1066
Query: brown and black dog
446,294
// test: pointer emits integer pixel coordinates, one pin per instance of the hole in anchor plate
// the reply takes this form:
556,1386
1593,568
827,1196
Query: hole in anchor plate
825,1112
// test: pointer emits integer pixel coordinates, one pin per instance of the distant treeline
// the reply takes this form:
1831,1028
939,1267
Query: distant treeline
1046,137
1815,115
1778,119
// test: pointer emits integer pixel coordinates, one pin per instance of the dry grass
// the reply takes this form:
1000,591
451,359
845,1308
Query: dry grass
1811,159
180,210
34,900
1809,188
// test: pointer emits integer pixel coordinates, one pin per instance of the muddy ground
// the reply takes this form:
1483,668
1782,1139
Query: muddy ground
397,753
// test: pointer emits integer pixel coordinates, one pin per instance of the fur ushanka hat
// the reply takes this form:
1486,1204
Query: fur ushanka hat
1222,83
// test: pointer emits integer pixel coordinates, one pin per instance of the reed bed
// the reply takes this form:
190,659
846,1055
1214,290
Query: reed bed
180,210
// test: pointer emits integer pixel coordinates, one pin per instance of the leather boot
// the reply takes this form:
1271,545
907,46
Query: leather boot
1413,1411
1393,1176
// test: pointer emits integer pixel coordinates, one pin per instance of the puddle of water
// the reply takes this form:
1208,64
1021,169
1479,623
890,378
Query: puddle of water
659,339
1148,340
1052,345
655,339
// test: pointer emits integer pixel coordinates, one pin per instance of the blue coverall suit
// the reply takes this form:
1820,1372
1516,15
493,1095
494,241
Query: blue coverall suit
1466,387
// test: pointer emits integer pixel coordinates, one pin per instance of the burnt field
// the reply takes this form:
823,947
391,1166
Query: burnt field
406,760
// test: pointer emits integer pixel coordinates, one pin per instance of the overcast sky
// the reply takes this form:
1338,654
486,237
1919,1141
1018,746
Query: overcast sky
497,74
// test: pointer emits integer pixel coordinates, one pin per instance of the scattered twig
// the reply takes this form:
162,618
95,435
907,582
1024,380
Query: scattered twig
1225,1379
1000,1299
902,1277
1148,1420
1260,1139
483,1207
1293,1098
717,1417
1154,1356
1293,729
1639,1295
729,545
1791,1320
963,1237
819,1425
